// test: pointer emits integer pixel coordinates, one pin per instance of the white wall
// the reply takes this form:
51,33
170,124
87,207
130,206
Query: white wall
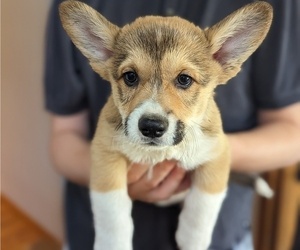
28,178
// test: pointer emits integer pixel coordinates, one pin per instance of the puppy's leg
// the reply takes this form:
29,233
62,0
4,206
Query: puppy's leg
111,205
203,203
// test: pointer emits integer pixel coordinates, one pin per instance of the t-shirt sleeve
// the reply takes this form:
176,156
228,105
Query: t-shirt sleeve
65,92
276,67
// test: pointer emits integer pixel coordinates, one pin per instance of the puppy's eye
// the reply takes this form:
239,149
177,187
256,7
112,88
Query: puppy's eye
184,81
130,78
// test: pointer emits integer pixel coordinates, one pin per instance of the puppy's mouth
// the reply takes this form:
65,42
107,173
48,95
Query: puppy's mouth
152,142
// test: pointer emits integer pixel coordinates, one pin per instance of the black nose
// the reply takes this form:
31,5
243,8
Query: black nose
153,126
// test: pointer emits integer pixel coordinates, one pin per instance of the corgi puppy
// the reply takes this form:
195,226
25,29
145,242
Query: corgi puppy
163,72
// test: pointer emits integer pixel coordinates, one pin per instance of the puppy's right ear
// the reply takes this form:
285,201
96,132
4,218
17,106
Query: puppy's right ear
92,34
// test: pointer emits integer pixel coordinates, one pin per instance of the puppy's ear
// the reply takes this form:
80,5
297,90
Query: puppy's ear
89,31
236,37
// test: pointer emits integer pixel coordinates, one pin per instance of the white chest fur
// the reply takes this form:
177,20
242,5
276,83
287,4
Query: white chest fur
195,149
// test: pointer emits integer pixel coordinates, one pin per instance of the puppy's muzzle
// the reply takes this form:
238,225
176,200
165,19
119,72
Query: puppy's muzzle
153,127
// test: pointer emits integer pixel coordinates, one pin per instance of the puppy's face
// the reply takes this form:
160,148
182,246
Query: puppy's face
162,77
163,70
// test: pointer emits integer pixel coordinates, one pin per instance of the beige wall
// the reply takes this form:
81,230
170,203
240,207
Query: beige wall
27,176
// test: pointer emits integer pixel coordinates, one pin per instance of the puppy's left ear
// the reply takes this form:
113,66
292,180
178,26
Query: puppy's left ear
236,37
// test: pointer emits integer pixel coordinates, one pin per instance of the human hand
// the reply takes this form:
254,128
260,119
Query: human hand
167,179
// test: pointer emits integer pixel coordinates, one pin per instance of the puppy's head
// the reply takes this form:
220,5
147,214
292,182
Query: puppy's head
163,70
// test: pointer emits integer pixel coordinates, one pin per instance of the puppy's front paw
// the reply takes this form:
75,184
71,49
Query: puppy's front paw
189,239
112,220
197,219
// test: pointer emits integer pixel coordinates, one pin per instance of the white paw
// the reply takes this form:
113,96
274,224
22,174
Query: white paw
112,220
197,219
192,241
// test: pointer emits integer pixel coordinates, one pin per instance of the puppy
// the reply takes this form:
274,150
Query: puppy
163,72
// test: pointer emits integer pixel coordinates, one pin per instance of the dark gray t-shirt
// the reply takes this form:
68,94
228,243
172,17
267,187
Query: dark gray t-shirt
269,79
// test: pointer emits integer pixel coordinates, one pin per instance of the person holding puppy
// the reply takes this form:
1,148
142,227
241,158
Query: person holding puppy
260,110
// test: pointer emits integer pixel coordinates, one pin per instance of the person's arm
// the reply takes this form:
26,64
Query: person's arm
274,143
70,151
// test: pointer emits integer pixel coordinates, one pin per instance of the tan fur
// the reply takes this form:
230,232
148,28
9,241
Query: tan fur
113,171
212,177
188,50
